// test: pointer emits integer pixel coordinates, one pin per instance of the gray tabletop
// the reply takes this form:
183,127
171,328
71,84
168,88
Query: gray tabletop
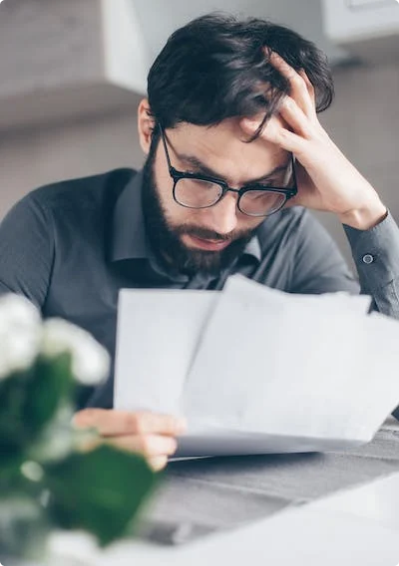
219,493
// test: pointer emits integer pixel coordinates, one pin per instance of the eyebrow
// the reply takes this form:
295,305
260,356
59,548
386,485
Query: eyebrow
205,170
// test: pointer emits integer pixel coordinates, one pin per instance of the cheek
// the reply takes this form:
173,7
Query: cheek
162,179
247,223
164,189
175,214
179,216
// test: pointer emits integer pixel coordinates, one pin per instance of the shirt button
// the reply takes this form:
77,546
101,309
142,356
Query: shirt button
368,258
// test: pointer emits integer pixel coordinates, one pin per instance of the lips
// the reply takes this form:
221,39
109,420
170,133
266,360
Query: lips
211,245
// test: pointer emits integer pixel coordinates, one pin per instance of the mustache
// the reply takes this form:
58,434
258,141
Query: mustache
206,234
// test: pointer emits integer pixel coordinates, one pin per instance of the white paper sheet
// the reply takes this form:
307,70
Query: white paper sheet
256,370
158,331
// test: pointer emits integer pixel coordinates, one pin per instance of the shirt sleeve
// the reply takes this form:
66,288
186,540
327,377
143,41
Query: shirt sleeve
26,251
319,266
376,255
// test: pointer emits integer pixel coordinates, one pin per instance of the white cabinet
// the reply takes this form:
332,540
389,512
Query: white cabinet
368,28
61,60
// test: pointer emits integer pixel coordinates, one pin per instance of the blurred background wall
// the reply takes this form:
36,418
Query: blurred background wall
73,72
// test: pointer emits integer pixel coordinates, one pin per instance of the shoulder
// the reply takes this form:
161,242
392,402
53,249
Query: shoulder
72,196
289,224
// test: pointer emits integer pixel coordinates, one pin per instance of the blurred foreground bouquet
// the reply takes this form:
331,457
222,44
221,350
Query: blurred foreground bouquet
49,477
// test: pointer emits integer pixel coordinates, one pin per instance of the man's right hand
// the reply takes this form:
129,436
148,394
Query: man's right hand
153,435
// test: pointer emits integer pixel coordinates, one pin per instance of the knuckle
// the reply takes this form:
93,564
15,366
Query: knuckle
300,86
126,422
88,413
297,80
85,418
132,422
307,134
288,103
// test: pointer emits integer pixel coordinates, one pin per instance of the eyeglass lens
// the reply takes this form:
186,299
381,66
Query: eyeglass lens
200,193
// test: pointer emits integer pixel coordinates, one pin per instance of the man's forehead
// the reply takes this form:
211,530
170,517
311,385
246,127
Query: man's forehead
226,145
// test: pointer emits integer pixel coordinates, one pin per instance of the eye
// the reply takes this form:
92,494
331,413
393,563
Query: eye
254,194
203,183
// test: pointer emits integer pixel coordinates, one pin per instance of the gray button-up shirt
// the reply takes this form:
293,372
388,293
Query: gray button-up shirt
69,247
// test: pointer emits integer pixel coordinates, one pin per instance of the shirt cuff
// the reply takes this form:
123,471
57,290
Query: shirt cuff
376,254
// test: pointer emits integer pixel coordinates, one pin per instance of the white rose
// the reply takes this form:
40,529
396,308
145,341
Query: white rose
90,361
20,334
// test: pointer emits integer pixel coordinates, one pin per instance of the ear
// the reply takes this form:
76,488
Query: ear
145,124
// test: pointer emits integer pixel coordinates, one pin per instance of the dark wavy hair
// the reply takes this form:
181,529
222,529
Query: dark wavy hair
215,67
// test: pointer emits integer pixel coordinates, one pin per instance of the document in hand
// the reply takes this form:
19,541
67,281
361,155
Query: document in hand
255,370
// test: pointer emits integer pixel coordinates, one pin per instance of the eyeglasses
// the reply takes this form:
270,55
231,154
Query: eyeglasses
194,190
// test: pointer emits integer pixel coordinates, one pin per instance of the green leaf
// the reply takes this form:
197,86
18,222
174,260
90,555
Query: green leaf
52,385
99,491
29,400
12,426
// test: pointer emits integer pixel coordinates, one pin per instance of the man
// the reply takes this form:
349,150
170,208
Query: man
233,142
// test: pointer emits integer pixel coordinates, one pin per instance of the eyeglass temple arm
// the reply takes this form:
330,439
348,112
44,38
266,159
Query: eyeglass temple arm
163,137
293,160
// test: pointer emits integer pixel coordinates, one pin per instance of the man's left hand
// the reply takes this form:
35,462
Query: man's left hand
326,179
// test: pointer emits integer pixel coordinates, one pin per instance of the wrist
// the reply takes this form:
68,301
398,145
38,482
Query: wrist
365,218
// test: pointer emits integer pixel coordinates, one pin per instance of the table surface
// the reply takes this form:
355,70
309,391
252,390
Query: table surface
220,493
308,509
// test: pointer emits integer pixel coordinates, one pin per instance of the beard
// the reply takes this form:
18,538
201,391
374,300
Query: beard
165,238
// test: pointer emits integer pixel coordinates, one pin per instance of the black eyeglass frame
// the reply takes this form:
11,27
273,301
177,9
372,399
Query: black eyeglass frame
178,175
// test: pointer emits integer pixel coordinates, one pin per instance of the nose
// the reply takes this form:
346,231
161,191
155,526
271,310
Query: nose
222,217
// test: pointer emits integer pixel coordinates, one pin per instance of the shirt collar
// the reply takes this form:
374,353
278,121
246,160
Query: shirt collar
253,248
129,238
